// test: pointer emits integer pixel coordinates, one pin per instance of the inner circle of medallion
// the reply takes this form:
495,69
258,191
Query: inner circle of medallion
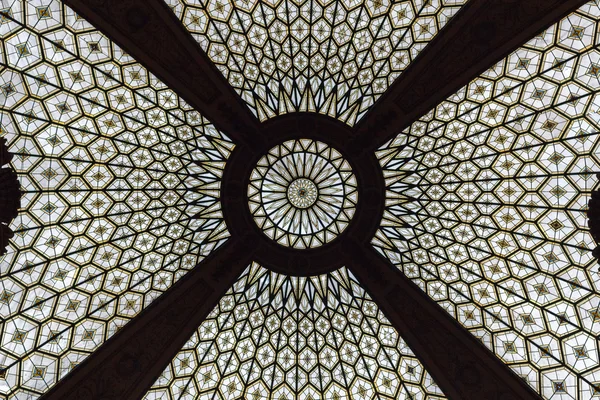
302,194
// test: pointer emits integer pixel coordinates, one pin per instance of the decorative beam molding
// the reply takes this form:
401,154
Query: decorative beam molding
458,362
128,364
150,32
482,33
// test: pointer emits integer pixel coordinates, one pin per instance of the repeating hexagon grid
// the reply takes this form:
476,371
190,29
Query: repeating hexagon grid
282,337
487,199
121,186
332,57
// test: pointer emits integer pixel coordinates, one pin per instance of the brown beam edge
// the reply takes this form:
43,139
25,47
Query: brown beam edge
458,362
151,33
482,33
127,365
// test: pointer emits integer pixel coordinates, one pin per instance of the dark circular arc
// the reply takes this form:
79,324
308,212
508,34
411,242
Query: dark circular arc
361,228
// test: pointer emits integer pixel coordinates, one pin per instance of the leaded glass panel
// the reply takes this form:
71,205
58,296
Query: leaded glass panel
487,199
332,57
276,336
121,186
302,194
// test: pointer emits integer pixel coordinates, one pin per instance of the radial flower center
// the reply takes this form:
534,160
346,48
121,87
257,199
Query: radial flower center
302,193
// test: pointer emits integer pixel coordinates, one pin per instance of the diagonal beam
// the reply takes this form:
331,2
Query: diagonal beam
461,365
150,32
481,34
129,363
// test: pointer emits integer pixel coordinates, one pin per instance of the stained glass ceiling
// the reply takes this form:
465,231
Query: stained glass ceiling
332,57
487,199
276,336
121,186
302,194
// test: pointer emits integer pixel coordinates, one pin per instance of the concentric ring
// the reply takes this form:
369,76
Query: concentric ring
302,194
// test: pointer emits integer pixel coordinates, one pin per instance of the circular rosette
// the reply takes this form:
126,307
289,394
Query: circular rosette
302,194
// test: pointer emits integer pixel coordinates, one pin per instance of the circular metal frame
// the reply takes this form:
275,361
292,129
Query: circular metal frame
302,194
362,227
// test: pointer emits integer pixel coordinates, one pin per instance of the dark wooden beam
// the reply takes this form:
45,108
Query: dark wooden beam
150,32
127,365
481,34
459,363
10,195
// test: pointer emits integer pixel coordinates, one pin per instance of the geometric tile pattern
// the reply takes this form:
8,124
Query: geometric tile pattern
276,336
486,207
120,181
332,57
302,194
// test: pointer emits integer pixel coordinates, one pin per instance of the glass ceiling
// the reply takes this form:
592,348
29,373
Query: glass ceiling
276,336
302,194
121,185
487,199
332,57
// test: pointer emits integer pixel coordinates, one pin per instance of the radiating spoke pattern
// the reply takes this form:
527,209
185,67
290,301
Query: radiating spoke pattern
331,57
486,207
121,186
302,194
274,336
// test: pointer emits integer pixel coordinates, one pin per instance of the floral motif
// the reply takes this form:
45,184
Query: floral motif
302,194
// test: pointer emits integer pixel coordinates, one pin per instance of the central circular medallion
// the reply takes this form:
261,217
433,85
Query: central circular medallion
302,194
